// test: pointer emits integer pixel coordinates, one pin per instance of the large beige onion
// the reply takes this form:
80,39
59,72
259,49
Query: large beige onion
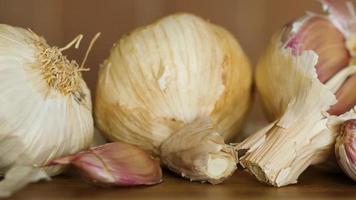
182,75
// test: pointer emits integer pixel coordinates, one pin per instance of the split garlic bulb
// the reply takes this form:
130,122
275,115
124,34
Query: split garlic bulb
45,105
163,76
306,75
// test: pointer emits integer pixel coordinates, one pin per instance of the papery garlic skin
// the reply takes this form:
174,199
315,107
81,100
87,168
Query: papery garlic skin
281,153
306,70
199,153
345,148
165,75
45,105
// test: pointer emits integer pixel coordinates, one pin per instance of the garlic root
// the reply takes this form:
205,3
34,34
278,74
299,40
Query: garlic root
198,152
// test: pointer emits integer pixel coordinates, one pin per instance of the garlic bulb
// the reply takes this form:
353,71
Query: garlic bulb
306,75
45,105
166,75
345,148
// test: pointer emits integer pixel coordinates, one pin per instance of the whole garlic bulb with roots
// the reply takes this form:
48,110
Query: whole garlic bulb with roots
307,80
45,105
182,75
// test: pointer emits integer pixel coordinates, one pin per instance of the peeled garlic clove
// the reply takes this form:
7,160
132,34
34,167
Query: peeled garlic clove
346,97
163,76
115,164
345,148
199,153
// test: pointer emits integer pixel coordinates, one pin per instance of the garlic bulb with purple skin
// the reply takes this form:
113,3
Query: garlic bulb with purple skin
306,75
114,164
345,148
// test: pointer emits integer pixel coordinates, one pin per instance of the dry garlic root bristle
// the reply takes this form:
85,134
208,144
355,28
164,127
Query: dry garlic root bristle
345,148
306,74
160,78
199,153
60,73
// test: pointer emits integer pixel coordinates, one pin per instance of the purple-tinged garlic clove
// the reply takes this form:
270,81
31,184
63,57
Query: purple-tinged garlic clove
346,97
345,148
309,33
115,164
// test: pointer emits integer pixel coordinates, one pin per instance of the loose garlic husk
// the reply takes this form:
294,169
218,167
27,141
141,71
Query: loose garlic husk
304,65
199,153
345,148
45,105
164,76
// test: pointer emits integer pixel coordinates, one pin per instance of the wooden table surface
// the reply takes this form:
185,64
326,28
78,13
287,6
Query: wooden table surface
314,184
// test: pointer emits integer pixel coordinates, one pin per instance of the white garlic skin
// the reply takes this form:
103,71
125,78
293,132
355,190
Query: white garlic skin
162,76
37,122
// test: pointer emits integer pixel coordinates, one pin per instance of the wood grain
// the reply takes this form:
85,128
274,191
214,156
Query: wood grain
314,184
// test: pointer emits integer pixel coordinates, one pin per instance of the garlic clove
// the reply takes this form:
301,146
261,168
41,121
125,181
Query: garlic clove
330,47
115,164
345,148
342,15
346,97
199,153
